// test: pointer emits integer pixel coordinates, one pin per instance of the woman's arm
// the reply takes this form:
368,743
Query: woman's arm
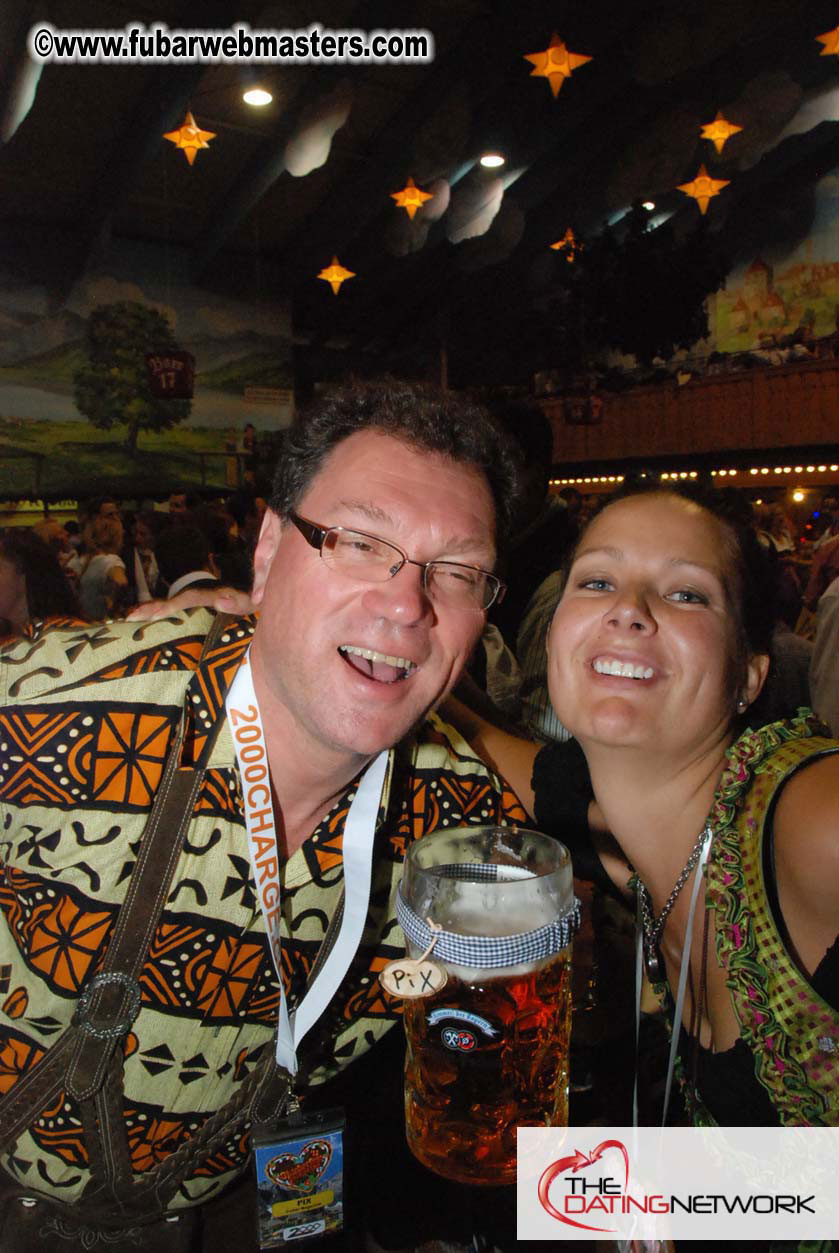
116,586
806,832
577,822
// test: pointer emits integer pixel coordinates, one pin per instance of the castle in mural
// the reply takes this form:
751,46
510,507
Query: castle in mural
765,304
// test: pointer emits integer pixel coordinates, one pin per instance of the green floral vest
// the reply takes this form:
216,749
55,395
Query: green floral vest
792,1032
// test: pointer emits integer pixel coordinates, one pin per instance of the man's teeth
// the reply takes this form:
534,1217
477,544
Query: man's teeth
369,654
623,669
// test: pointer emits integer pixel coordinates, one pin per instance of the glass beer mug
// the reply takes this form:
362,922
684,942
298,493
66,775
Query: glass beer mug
488,1051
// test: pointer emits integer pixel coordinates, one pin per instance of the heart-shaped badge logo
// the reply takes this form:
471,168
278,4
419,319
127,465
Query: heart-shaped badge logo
300,1171
578,1161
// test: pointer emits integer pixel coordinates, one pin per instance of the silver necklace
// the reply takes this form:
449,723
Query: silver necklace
653,927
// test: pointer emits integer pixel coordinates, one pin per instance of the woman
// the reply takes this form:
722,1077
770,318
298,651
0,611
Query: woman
657,649
103,586
32,582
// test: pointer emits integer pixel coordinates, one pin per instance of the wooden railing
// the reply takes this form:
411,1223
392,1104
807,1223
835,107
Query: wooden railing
775,407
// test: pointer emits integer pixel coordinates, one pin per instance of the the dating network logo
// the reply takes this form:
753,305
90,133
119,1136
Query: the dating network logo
584,1190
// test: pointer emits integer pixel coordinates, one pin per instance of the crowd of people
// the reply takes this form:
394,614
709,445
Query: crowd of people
649,719
114,558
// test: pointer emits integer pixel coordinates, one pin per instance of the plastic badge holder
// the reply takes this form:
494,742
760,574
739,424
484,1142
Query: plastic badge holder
300,1179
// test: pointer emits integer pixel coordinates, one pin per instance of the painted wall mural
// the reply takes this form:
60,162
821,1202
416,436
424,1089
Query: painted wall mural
782,293
243,375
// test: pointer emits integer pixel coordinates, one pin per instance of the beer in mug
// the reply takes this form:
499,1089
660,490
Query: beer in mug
488,1051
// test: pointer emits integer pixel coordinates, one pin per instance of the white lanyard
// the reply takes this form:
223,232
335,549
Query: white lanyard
359,832
680,990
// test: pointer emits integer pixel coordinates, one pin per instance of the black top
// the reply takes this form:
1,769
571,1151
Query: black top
730,1089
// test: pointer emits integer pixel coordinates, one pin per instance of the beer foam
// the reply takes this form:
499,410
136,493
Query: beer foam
490,909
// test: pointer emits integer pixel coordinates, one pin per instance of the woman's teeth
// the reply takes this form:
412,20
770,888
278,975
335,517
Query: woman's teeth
622,669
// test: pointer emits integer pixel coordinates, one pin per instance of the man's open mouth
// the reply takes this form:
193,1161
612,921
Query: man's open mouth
383,667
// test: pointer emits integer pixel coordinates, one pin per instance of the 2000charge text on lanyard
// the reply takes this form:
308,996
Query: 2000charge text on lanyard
359,832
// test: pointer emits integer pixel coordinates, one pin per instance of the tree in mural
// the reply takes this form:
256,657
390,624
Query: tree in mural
113,388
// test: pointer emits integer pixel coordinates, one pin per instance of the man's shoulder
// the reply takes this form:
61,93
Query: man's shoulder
61,656
450,783
437,745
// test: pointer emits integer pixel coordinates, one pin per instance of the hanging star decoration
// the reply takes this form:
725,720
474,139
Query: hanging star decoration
410,198
555,64
335,275
190,137
568,245
831,43
703,188
719,131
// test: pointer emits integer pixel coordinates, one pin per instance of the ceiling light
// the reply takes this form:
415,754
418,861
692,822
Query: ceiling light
492,160
798,495
257,96
649,205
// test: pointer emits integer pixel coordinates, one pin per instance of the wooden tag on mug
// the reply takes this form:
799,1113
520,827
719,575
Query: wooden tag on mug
413,977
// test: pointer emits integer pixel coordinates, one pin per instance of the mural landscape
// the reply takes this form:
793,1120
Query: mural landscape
243,374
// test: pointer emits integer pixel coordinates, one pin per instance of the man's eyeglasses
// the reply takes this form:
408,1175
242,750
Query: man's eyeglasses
374,560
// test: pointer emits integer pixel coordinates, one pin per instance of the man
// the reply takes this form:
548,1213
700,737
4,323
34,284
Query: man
184,559
373,573
182,504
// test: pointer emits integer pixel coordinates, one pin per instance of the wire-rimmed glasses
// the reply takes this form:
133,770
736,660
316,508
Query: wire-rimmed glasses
374,560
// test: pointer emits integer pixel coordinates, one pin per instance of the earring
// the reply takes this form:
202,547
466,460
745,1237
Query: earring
741,705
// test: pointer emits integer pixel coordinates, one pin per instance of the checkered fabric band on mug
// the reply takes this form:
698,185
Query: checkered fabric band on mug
486,951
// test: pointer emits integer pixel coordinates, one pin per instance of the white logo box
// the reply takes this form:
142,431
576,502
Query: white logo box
688,1183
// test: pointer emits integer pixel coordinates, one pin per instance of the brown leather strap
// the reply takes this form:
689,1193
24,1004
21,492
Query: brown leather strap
35,1090
79,1059
261,1098
114,994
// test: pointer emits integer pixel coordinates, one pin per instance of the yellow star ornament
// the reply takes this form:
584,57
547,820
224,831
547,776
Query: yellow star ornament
568,244
190,137
410,198
719,131
831,43
703,188
555,64
335,275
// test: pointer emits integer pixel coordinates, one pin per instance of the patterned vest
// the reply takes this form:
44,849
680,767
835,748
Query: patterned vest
792,1032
